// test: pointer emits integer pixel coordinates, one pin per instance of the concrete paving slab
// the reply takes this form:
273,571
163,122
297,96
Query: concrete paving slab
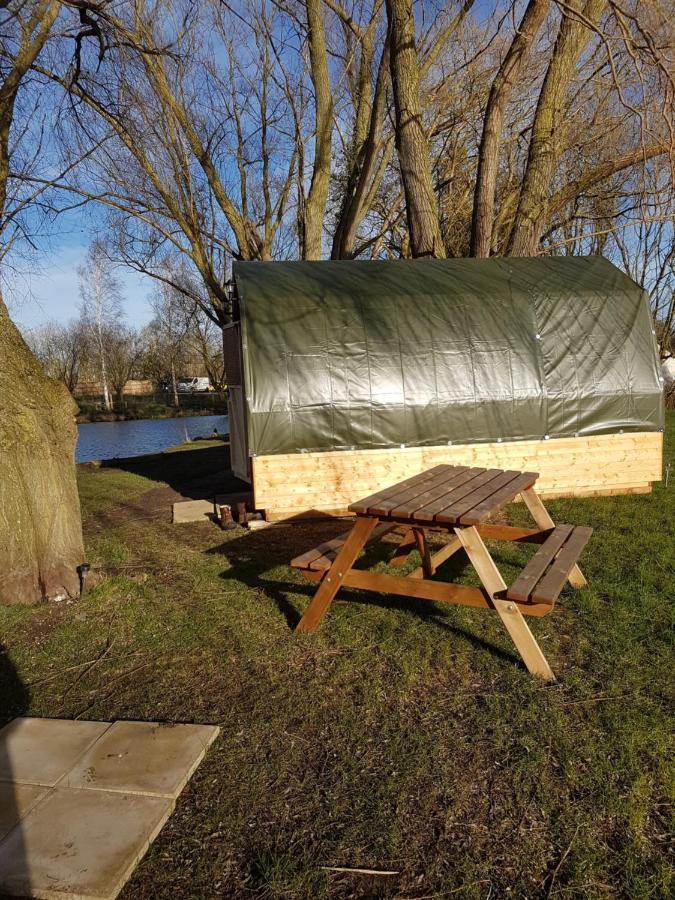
16,800
143,758
192,511
41,751
80,845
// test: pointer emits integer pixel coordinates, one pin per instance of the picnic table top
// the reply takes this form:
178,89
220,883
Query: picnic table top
447,495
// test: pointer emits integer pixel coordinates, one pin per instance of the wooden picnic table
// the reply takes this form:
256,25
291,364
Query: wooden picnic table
454,501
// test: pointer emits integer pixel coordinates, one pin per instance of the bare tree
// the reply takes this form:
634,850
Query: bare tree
367,154
167,333
545,142
62,350
266,128
206,340
101,308
227,145
124,351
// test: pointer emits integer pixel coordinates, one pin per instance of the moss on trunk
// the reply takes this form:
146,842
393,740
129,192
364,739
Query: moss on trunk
40,523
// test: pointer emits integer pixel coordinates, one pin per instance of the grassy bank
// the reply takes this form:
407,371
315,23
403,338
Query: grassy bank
402,736
159,406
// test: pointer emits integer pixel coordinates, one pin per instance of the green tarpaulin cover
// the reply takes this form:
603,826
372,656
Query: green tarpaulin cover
356,354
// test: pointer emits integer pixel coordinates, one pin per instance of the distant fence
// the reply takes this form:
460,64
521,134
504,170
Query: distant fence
134,388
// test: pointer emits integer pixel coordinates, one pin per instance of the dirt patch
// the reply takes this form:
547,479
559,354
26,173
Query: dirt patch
156,503
197,473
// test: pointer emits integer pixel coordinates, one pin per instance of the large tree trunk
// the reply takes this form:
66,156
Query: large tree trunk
40,525
488,153
411,141
546,140
364,168
315,205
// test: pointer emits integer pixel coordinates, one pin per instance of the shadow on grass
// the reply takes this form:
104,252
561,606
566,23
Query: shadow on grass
14,695
14,700
197,474
254,557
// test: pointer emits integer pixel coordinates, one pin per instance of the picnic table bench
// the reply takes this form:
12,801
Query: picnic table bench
455,501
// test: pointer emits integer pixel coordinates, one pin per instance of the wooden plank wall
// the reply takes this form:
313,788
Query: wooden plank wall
298,483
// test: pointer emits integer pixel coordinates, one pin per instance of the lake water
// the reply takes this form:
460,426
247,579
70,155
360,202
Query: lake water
108,440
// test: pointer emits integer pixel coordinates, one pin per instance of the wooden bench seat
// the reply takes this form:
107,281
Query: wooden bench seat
544,577
322,557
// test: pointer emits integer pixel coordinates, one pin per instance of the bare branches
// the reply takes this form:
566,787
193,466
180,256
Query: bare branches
262,129
34,31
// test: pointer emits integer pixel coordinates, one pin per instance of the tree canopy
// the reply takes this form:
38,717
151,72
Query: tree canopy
281,129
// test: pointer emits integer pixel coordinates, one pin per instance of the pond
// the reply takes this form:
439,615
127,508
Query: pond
110,440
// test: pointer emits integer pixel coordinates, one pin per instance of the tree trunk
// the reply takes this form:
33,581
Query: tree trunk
546,138
488,153
174,385
107,401
363,169
315,205
40,525
411,141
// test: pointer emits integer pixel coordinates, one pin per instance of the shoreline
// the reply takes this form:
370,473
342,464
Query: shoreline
169,412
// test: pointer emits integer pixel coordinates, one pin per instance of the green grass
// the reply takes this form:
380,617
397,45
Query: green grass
402,736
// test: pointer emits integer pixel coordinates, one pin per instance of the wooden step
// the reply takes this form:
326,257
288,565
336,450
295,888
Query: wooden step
544,577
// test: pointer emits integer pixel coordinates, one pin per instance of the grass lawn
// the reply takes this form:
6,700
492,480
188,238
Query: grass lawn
401,736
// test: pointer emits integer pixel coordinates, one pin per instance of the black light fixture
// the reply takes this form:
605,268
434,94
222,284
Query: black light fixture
83,571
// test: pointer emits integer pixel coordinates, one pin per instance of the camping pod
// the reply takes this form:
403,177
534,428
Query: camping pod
347,376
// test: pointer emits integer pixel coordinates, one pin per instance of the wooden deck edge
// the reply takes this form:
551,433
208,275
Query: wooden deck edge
312,485
278,515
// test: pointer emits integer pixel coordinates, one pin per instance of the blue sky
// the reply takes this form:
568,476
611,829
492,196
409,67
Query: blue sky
49,290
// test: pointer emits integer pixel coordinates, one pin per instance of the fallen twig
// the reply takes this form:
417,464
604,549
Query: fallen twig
598,698
88,667
98,698
55,675
436,896
562,859
358,871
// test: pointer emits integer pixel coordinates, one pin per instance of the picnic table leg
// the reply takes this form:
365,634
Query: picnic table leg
541,516
428,568
334,577
509,613
406,545
440,556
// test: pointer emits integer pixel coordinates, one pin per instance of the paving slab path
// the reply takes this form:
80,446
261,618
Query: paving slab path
80,802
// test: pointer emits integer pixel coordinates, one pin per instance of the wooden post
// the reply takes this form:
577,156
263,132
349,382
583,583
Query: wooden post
439,557
428,567
508,612
402,553
335,576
